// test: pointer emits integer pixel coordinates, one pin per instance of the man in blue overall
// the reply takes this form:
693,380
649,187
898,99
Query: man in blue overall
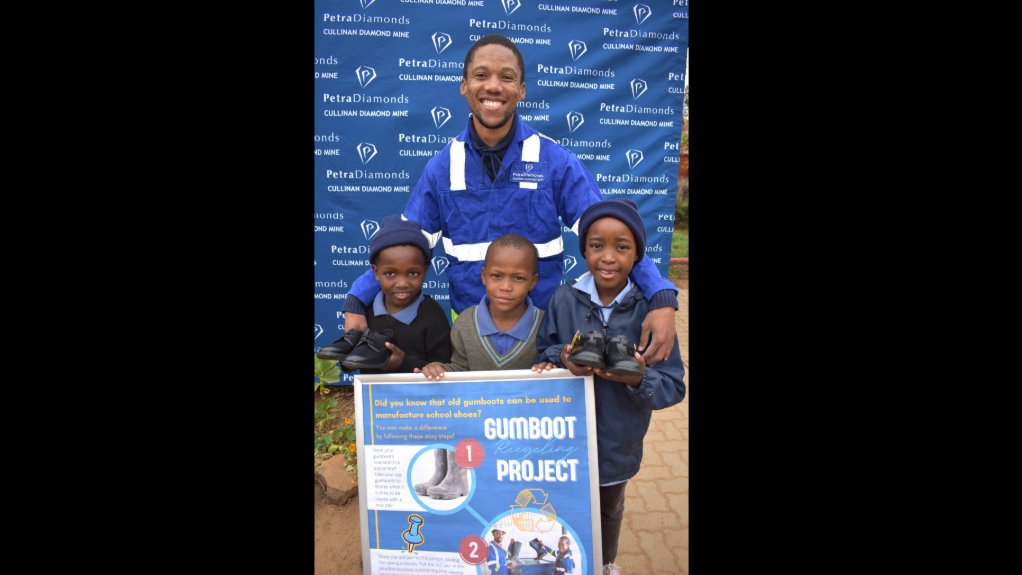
501,176
496,557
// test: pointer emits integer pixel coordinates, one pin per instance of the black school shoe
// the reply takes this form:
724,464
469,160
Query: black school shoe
590,352
370,353
341,346
620,355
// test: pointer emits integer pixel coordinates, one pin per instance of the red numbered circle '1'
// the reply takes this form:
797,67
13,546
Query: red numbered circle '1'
472,549
468,453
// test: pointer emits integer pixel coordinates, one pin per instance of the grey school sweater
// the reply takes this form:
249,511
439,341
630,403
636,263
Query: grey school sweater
473,352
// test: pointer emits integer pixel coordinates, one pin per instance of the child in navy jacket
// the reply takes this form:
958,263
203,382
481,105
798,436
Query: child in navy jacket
612,239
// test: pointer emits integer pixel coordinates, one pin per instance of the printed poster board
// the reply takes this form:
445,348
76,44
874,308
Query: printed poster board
513,450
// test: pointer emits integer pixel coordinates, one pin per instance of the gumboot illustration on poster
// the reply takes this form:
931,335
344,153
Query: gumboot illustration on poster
445,466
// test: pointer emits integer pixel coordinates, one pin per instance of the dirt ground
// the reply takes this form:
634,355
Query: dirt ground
338,541
337,537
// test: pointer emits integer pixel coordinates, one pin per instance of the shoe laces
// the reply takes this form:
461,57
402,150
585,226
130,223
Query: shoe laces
374,338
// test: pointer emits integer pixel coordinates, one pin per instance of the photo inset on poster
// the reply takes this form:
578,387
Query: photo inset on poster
535,541
438,481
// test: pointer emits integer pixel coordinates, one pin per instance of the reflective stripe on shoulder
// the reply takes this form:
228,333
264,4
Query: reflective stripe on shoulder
530,149
530,153
457,165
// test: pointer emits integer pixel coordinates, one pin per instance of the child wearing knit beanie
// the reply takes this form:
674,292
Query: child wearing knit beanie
416,327
606,305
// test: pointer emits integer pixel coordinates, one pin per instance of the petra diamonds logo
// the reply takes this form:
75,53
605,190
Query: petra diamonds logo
365,75
319,331
575,119
569,263
369,228
366,152
440,264
440,116
577,49
634,157
441,41
510,6
642,13
638,88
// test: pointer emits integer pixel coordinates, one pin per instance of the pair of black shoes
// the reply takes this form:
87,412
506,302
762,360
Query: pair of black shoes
358,349
616,355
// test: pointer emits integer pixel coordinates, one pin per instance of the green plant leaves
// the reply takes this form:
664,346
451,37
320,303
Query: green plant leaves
327,371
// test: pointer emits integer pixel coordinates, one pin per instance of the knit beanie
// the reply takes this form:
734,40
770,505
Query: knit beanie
396,232
622,209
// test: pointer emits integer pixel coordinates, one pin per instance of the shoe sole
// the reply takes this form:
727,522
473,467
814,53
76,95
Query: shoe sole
331,356
448,496
357,366
360,365
624,371
589,360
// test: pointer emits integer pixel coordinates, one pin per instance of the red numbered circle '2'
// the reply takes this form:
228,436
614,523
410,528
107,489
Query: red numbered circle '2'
468,453
472,549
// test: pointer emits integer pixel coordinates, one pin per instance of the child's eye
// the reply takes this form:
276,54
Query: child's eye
413,273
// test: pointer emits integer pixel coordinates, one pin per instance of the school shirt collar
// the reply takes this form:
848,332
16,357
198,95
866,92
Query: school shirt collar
405,316
521,329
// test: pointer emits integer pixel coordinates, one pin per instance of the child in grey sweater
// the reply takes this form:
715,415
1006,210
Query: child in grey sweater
500,332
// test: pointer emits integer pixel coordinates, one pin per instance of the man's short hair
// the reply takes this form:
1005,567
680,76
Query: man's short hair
494,39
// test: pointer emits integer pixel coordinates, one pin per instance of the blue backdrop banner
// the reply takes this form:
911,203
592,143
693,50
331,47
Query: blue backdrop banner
606,79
